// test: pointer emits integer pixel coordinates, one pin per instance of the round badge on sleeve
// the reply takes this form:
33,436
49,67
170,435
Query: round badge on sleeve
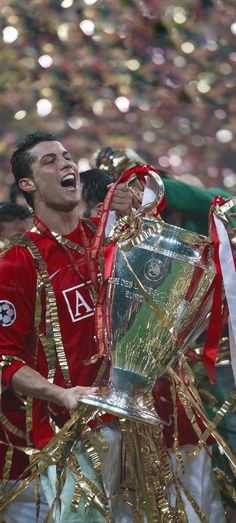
7,313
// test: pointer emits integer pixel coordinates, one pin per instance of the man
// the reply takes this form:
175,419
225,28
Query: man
14,220
51,280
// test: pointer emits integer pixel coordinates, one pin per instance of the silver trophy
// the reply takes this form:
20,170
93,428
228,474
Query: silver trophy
158,301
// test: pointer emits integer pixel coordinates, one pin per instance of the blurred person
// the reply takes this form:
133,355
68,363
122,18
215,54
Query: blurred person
16,196
190,179
14,220
94,187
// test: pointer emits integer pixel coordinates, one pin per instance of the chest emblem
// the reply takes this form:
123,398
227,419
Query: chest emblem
78,307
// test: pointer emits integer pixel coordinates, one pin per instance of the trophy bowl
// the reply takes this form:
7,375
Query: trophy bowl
158,301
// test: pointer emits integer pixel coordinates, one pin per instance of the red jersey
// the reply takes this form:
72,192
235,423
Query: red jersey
13,431
69,276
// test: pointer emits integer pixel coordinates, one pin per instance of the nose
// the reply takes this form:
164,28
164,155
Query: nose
65,162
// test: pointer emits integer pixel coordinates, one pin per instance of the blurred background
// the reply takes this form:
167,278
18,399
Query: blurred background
151,75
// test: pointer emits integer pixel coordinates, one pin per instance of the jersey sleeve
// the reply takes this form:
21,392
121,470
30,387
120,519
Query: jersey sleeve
17,303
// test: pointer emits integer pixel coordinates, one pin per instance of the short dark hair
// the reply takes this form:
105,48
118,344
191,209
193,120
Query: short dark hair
12,211
94,186
21,159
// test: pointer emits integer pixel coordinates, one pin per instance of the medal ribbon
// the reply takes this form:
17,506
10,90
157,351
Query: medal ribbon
227,263
215,323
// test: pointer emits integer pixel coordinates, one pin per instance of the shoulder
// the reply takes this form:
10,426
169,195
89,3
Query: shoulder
17,260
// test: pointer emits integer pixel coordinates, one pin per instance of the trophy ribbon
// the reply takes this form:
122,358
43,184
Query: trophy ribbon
227,264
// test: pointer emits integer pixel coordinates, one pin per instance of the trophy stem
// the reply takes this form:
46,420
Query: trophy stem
125,397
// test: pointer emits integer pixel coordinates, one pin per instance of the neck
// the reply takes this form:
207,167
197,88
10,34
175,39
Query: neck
61,222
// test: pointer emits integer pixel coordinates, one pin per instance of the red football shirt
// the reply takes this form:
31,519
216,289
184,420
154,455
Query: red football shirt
18,277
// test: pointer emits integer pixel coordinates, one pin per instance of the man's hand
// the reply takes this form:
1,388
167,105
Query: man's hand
70,397
29,382
122,199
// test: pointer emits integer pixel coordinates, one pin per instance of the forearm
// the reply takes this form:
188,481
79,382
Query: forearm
29,382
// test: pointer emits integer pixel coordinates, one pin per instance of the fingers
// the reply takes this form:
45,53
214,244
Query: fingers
85,390
72,396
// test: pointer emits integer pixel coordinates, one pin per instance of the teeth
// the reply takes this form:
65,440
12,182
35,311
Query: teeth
68,177
68,180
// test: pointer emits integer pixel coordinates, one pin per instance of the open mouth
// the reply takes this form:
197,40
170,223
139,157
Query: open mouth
69,180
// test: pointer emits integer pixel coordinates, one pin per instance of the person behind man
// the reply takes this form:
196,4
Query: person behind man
51,280
16,196
94,186
14,220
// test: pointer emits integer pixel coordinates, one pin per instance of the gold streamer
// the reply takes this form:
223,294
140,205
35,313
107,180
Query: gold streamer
225,483
196,508
10,427
230,401
7,466
220,211
206,421
91,491
52,305
176,448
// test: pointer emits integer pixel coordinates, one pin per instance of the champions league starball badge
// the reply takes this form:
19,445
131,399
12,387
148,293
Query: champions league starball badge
156,269
7,313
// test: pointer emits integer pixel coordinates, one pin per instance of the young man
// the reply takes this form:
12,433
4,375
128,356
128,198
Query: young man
48,350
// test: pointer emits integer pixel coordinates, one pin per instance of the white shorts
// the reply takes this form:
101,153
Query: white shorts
23,508
199,480
111,473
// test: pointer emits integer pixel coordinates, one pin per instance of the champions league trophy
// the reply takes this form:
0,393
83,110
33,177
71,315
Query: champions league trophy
158,301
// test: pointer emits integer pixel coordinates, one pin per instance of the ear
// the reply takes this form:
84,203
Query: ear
97,210
27,184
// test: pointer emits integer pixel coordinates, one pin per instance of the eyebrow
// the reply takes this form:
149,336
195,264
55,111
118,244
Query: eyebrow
54,154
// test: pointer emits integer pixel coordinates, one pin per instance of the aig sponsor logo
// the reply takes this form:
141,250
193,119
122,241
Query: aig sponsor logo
78,307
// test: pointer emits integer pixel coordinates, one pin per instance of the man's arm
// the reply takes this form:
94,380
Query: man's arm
29,382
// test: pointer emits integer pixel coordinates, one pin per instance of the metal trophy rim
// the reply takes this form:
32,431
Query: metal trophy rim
144,416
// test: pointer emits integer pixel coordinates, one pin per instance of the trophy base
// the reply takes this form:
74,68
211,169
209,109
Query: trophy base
124,397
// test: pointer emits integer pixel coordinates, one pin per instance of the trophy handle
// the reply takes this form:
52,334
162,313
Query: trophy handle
153,192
